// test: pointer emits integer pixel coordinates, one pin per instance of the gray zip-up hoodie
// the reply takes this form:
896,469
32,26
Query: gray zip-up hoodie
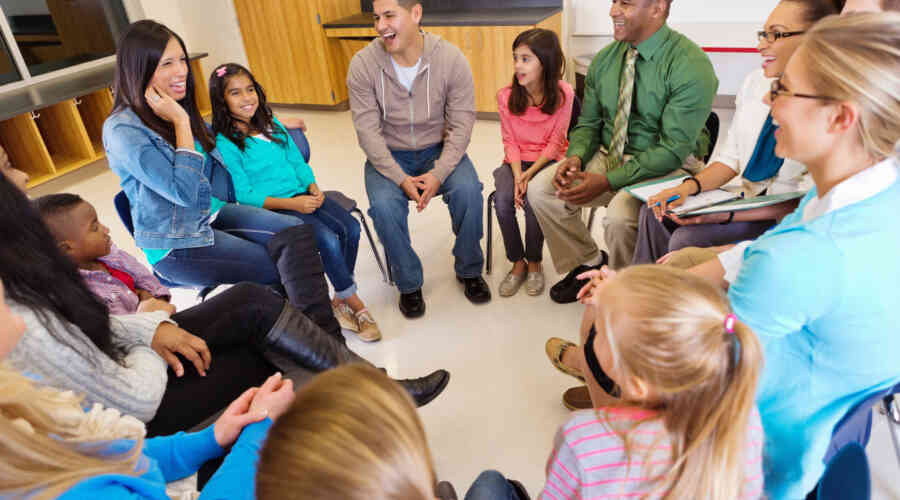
440,107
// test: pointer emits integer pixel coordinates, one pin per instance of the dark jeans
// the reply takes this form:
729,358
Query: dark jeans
233,324
656,238
504,202
389,209
337,236
238,254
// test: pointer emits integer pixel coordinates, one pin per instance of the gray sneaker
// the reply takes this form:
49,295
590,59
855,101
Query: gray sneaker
511,283
534,284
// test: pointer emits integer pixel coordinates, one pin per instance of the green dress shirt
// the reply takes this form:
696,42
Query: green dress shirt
674,87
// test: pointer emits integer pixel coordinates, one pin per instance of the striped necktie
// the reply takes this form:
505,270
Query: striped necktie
615,158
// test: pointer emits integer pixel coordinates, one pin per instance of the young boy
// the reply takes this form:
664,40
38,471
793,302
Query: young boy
113,275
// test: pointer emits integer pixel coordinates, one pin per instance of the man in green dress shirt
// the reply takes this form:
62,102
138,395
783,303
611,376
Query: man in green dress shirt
647,97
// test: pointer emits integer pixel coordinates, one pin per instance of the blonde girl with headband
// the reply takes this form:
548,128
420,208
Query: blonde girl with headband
351,434
672,374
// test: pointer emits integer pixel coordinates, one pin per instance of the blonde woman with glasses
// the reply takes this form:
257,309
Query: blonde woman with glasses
820,288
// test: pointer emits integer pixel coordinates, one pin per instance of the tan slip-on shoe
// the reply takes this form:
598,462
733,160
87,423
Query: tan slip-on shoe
555,347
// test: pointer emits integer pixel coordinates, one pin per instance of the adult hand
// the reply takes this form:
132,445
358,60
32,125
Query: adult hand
169,340
306,203
274,397
596,277
237,416
293,123
682,191
164,106
409,187
699,219
429,184
154,304
590,187
564,172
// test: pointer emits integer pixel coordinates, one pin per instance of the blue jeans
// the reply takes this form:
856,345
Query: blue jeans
337,236
238,254
389,209
491,485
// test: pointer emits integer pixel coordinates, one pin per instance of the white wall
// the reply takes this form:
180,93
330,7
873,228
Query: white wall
205,25
25,7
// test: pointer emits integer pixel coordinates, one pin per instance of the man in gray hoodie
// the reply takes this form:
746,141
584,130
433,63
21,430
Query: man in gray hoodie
413,102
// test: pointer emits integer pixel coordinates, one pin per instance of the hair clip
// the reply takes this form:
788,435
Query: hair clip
221,71
729,322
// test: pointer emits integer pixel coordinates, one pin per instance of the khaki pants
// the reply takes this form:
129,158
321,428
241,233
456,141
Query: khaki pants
689,257
568,237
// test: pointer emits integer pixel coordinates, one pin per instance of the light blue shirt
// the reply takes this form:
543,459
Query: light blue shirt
820,289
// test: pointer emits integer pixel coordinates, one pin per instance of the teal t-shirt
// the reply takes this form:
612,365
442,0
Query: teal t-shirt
155,255
265,168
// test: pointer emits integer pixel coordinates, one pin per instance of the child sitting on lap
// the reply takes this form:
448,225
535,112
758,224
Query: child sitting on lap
112,274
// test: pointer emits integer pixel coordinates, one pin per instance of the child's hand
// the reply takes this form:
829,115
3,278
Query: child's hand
154,304
293,123
274,397
306,203
237,416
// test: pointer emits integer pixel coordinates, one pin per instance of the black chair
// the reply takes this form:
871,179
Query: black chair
846,476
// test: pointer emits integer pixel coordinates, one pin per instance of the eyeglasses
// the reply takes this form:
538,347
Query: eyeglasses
778,89
774,36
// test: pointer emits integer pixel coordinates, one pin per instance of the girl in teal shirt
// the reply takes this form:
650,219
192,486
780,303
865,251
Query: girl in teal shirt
269,171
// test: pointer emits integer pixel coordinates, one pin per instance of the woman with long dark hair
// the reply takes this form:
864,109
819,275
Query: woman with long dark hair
233,341
181,195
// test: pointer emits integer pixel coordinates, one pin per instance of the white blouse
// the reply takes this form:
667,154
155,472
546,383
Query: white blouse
737,148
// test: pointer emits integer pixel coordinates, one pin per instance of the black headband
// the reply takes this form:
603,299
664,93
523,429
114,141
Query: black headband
606,383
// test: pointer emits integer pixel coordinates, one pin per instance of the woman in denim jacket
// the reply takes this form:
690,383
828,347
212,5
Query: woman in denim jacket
182,200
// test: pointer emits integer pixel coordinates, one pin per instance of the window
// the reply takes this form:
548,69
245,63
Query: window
56,34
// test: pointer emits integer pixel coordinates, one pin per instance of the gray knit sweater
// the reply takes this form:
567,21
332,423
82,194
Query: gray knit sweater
135,387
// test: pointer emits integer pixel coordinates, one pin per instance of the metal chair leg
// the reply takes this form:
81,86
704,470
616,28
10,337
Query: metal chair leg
893,420
490,233
365,225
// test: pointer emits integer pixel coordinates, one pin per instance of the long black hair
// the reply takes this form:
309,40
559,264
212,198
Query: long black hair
226,124
546,47
138,55
38,276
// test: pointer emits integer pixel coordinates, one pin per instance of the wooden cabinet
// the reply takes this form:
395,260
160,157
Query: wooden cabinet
488,49
288,51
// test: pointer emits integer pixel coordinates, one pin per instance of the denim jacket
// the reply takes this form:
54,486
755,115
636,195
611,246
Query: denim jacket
169,190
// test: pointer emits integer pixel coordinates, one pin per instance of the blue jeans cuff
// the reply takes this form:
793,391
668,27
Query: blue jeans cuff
346,293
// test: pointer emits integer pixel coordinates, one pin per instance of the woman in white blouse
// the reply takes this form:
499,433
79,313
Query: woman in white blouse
745,162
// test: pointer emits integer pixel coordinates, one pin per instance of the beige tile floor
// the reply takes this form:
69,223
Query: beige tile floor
502,405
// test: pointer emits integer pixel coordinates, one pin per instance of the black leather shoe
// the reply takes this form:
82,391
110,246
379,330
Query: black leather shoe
566,291
412,305
426,388
477,290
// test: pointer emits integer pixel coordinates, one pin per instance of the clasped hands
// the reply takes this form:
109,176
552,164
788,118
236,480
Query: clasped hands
421,189
271,399
575,186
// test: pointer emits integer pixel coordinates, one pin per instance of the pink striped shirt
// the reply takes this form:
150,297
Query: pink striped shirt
533,134
589,461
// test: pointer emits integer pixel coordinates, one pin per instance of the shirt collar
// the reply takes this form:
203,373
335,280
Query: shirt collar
650,46
855,189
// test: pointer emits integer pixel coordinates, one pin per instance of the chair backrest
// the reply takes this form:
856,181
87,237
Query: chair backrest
856,425
712,126
301,141
846,475
576,113
123,208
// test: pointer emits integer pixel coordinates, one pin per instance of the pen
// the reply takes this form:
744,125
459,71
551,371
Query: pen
670,200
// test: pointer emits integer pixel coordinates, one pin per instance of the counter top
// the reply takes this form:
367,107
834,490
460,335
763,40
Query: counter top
468,17
50,92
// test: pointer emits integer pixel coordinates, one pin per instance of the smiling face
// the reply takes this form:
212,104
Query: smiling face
529,70
241,97
786,17
804,129
397,26
171,73
636,20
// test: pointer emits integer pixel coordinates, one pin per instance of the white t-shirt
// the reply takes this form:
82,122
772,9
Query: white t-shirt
406,75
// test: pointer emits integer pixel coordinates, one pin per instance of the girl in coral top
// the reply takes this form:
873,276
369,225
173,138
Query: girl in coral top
535,111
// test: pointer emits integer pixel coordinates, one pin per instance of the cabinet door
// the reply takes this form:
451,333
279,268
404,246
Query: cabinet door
283,39
489,51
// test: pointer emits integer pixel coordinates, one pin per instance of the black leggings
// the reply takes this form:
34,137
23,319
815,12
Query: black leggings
233,324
